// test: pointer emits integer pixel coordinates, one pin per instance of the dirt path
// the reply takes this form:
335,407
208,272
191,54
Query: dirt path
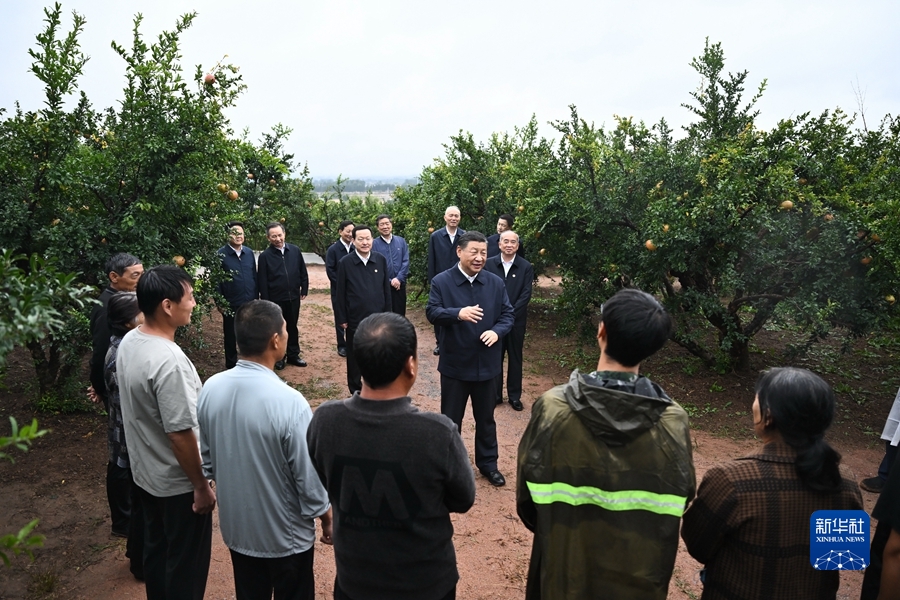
492,545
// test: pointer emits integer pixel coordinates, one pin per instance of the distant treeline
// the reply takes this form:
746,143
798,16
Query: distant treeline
360,185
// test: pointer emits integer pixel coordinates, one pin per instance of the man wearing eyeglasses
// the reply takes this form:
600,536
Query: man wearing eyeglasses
239,262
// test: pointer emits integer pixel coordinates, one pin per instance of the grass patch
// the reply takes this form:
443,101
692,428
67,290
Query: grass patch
317,390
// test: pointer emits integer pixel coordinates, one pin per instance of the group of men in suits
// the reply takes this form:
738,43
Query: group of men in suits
278,275
480,289
367,276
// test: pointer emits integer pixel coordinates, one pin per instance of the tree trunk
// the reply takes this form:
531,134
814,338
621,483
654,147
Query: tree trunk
46,368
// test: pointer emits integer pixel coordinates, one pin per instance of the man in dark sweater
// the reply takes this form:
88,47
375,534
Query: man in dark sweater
363,289
393,475
239,262
283,279
124,271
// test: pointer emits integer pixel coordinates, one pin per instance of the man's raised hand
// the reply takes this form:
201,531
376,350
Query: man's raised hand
472,314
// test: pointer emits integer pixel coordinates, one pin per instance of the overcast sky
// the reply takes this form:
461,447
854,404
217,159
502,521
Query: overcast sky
374,88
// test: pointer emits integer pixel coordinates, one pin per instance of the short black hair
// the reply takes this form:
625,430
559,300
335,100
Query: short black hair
637,326
254,325
381,346
361,228
231,224
344,224
510,220
273,225
471,236
117,263
162,282
121,311
383,216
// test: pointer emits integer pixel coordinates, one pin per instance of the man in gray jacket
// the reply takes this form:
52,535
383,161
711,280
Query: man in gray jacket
253,444
393,473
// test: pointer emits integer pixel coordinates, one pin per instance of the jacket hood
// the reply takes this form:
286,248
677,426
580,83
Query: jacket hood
615,416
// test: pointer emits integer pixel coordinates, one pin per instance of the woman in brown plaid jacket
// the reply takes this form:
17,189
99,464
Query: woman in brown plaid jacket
749,524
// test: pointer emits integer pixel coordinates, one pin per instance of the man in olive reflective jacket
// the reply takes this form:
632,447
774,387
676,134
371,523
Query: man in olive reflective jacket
605,469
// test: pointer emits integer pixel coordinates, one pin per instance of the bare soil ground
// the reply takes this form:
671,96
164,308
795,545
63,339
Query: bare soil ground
61,480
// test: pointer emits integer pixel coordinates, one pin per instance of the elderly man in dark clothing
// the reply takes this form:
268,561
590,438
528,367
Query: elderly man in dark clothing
363,289
504,223
283,279
473,310
518,275
124,271
442,254
333,256
239,262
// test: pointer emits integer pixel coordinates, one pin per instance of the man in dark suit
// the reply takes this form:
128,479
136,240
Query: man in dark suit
504,223
442,253
124,271
282,278
473,310
333,256
237,260
363,289
518,275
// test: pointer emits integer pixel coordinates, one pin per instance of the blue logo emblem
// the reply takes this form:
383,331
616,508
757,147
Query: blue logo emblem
839,540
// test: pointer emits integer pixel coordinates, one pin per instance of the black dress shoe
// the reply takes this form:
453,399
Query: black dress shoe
516,404
437,351
342,352
279,365
495,478
296,361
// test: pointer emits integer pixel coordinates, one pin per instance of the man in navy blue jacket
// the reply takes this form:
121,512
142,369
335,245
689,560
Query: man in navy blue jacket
442,254
363,289
283,279
237,260
396,251
474,313
518,275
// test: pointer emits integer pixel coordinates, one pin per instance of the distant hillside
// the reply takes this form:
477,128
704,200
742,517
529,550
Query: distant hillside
386,184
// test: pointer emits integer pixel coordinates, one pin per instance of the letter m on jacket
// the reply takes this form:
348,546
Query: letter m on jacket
373,494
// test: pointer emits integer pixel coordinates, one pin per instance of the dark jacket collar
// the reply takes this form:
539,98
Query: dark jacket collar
778,452
459,278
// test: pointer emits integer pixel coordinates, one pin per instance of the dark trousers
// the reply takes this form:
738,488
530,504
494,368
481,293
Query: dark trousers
398,300
890,455
871,584
513,342
338,330
354,379
340,595
127,517
231,353
454,396
290,310
118,494
289,577
177,547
